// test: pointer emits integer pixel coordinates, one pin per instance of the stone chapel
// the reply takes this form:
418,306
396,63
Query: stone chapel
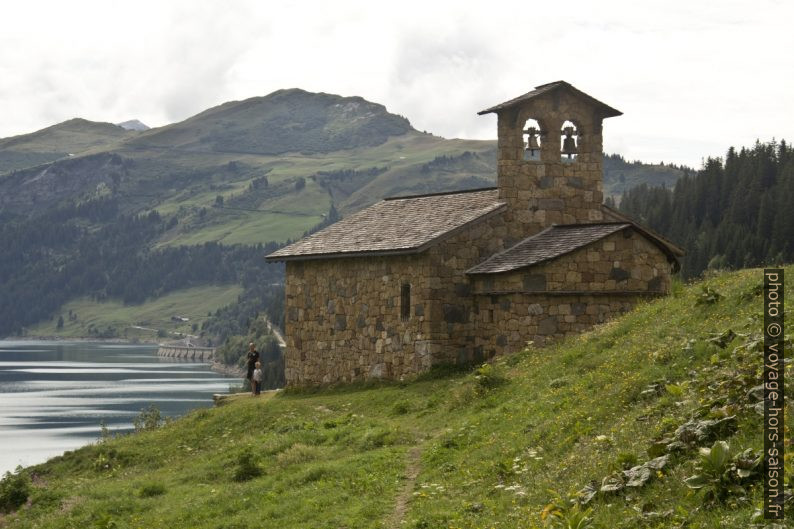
415,281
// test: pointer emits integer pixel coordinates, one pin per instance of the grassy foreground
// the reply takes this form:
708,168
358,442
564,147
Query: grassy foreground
489,448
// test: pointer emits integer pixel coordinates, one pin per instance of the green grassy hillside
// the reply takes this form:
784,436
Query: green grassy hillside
112,319
284,121
484,449
64,139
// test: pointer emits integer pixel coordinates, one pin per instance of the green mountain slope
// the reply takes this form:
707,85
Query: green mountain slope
277,162
64,139
113,319
285,121
620,175
465,450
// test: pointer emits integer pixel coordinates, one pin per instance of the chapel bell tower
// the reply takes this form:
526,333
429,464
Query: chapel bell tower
550,158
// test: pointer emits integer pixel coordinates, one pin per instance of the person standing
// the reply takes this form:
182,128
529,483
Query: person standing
251,359
256,380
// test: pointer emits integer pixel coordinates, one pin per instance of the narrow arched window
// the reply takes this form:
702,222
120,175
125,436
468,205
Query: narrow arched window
405,301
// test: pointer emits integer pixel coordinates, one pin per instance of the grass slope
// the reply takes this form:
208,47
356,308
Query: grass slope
193,303
466,450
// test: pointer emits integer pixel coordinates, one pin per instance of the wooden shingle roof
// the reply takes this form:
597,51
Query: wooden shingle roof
549,244
397,225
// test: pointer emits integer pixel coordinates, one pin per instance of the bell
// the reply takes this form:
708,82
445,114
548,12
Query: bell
532,141
569,143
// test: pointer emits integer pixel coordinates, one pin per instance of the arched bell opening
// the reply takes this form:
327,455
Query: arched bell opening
570,149
531,134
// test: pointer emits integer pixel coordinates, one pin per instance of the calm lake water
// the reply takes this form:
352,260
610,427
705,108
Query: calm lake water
53,395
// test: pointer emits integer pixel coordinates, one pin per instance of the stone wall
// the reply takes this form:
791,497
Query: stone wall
624,261
568,295
504,323
344,322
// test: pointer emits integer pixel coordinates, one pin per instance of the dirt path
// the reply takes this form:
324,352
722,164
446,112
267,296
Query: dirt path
274,330
412,466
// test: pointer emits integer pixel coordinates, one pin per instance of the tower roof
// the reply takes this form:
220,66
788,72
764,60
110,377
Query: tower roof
548,88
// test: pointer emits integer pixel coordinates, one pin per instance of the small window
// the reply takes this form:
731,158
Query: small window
405,301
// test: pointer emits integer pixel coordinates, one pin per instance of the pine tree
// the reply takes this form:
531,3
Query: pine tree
733,213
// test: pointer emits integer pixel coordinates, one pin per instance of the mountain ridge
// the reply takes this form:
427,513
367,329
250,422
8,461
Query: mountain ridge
287,120
134,124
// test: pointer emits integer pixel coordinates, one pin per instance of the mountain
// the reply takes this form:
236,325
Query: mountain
133,124
58,141
618,414
621,175
278,162
311,149
285,121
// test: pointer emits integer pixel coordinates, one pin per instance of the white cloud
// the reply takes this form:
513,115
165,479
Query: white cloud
691,78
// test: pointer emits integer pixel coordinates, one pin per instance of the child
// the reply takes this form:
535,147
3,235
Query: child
256,379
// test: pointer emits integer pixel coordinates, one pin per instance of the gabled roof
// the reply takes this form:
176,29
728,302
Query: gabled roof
399,225
607,110
549,244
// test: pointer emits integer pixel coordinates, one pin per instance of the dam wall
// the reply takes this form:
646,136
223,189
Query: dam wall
198,354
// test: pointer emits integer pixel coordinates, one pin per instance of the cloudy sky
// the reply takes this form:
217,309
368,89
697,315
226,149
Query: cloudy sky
692,78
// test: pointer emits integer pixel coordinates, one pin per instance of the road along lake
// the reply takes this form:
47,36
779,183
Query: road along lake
55,395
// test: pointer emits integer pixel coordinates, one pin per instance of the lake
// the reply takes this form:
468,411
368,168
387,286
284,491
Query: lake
54,395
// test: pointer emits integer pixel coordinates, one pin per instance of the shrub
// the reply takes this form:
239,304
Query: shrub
504,468
489,377
104,432
626,460
14,490
246,467
376,438
151,490
297,453
108,459
707,296
149,419
401,407
566,514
